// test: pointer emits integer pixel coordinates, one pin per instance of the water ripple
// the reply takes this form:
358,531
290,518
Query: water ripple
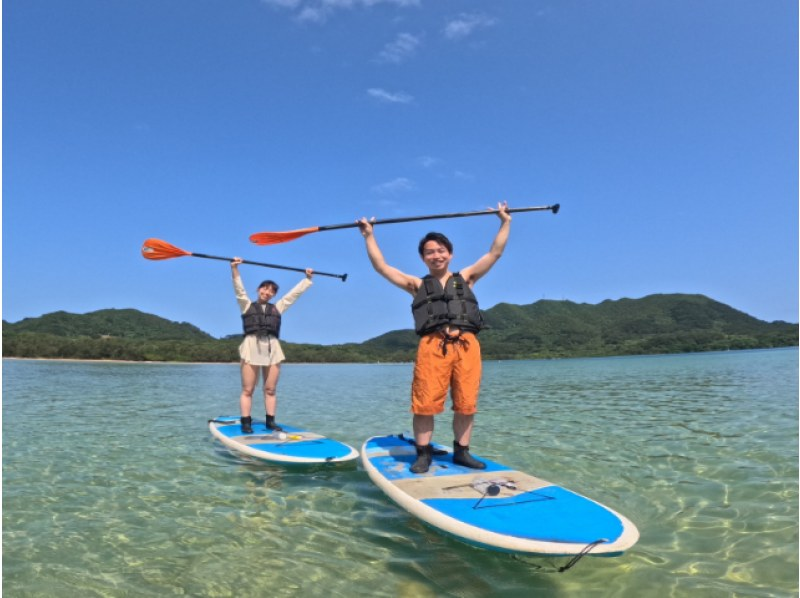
121,491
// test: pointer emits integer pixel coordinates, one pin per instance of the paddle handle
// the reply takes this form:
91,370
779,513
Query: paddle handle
228,259
554,208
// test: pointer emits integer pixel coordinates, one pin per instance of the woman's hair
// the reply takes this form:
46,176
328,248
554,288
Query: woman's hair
269,283
439,238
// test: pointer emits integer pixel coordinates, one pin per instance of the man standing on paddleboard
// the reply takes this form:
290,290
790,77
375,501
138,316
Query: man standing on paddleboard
261,349
447,319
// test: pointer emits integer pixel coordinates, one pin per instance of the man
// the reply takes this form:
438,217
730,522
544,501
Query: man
447,318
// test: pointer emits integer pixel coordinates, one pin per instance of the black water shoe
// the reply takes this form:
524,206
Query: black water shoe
461,456
271,425
424,458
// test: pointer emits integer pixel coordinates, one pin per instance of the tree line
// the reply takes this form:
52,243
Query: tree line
655,324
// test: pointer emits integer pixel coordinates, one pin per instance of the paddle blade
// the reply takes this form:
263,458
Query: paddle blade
275,238
156,249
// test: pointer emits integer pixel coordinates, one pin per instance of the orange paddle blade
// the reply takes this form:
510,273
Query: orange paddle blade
156,249
275,238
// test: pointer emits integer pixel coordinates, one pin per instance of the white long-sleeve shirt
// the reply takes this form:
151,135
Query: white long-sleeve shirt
265,351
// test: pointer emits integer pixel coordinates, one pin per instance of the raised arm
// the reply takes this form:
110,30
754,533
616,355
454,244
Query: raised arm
301,287
476,271
238,287
396,277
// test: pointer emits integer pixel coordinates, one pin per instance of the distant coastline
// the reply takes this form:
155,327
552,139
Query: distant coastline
652,325
407,363
99,360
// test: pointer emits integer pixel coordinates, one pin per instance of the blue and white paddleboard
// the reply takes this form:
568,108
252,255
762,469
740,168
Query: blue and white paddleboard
498,508
293,446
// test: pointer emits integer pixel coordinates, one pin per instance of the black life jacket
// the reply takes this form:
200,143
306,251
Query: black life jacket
261,322
454,305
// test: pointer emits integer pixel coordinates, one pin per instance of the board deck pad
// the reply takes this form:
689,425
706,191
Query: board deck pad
293,446
499,507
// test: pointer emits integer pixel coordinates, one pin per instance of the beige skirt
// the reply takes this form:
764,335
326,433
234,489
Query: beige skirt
261,351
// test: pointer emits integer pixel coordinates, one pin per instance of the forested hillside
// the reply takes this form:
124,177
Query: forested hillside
545,329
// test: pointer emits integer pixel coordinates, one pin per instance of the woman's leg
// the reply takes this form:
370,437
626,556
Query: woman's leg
249,380
271,375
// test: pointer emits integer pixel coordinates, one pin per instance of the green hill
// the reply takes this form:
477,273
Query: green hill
116,323
654,324
112,334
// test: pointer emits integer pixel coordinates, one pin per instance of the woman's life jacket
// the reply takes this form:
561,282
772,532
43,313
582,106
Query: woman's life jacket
454,305
262,321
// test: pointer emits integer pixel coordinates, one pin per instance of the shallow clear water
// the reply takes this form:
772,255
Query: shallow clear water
113,486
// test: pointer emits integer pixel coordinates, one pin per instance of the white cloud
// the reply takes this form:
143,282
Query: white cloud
398,185
283,3
428,161
400,3
310,14
318,11
402,48
336,3
399,97
465,24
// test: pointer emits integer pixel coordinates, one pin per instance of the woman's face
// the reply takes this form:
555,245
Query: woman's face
266,293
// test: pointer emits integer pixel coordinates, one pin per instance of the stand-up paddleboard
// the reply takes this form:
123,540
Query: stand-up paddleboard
498,508
293,446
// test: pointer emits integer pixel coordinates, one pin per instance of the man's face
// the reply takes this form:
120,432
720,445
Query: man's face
436,256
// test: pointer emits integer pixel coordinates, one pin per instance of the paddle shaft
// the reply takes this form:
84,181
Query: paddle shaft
554,208
228,259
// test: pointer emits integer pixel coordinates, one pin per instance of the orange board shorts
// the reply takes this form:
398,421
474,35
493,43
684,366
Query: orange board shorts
439,366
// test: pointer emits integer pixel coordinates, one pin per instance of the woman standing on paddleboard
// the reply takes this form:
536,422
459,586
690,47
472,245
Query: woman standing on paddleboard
447,319
261,347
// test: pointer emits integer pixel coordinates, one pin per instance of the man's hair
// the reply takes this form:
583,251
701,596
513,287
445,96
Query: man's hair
439,238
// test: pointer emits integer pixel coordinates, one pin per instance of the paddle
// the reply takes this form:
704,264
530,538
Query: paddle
156,249
283,237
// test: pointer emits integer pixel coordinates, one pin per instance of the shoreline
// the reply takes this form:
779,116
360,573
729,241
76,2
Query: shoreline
294,363
74,360
128,361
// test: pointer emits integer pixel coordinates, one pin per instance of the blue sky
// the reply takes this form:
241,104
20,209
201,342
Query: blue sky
667,131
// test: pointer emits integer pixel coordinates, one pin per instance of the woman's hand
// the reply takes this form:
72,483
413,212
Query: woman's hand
365,226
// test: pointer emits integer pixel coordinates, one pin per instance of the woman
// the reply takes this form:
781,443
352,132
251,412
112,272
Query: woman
261,349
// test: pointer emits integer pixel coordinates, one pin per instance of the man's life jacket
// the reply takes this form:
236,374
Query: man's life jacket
262,319
454,305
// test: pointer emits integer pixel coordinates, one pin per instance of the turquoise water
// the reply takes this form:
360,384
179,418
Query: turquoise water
112,485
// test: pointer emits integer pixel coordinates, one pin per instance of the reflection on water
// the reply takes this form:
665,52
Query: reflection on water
112,485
